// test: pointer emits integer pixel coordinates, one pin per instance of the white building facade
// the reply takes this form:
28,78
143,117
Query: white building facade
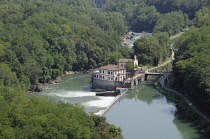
111,76
110,73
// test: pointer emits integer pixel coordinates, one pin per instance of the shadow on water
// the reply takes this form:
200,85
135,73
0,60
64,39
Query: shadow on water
183,128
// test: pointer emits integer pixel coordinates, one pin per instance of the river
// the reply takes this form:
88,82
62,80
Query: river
76,89
129,41
143,113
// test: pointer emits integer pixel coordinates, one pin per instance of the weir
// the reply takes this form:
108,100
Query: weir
122,91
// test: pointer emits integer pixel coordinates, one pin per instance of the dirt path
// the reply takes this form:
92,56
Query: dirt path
172,53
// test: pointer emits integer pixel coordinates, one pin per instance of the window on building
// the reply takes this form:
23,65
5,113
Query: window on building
110,78
97,76
121,65
110,72
103,77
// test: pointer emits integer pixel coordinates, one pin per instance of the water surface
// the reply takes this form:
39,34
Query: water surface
76,89
144,113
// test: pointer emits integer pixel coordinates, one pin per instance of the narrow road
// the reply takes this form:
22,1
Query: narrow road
172,53
165,76
162,83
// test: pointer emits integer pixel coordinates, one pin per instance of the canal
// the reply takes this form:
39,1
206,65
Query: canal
144,113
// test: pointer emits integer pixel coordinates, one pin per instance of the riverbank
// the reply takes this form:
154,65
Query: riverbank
184,106
41,87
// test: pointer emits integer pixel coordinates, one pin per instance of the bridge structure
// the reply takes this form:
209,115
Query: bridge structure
141,77
150,73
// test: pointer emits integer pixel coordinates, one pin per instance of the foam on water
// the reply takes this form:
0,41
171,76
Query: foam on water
101,102
70,94
95,101
99,113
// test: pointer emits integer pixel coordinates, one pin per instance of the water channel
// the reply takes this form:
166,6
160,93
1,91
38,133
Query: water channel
143,113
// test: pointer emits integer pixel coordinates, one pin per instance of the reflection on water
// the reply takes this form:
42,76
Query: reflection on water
147,95
144,113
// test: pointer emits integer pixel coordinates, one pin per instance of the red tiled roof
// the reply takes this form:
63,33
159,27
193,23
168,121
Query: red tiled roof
124,60
110,67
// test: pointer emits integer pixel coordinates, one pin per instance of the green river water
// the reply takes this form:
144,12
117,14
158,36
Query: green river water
143,113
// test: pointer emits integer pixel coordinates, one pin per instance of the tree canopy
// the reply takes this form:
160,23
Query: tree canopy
41,40
192,64
153,50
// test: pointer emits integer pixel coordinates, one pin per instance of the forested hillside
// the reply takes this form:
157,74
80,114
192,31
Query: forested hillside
192,64
142,15
154,50
39,118
41,40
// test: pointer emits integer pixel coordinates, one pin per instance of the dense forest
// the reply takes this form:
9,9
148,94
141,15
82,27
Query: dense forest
41,118
142,15
192,64
154,50
40,40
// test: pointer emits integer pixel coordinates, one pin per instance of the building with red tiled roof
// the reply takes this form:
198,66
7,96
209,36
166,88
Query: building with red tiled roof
122,62
108,77
110,67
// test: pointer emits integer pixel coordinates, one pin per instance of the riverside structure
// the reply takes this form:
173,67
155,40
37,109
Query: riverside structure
111,76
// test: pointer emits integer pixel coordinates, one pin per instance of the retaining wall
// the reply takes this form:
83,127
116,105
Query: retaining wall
109,85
